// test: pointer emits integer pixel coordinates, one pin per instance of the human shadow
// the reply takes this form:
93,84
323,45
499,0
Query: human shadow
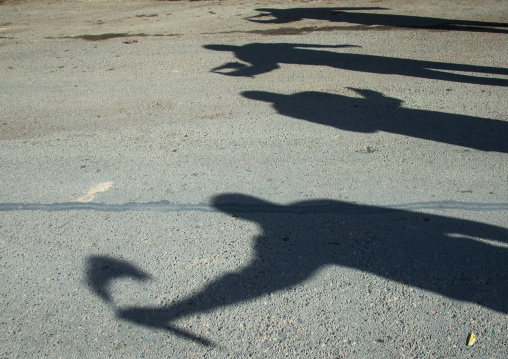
374,112
265,57
459,259
102,270
348,15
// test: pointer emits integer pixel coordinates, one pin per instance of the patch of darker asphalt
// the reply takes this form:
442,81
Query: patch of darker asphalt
309,29
100,37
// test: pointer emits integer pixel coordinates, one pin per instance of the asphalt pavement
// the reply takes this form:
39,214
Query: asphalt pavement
264,179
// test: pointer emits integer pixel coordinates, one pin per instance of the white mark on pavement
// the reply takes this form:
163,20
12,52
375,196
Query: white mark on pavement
101,187
492,242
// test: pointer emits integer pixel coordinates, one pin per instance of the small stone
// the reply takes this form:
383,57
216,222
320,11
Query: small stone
282,336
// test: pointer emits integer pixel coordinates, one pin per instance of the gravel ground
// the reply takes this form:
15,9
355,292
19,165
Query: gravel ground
188,179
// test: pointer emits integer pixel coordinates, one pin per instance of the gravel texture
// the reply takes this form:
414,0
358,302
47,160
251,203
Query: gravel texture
191,180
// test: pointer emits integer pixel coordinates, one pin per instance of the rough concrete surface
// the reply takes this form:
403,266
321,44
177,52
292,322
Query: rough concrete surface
265,179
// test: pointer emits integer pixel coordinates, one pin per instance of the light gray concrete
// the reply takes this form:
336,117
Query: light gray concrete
312,185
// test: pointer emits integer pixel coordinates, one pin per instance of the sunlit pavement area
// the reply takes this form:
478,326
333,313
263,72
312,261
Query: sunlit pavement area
265,179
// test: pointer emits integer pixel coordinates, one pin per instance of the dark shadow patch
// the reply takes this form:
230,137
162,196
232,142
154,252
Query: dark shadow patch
265,57
376,112
372,20
102,270
455,258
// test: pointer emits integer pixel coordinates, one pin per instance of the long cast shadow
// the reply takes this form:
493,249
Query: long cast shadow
265,57
458,259
345,15
376,112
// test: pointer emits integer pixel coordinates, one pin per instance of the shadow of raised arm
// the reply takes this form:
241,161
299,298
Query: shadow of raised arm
265,57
